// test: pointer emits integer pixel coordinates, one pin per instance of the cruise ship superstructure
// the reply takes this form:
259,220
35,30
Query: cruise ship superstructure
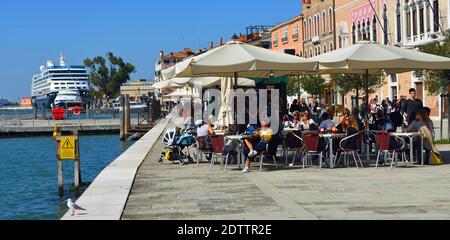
54,79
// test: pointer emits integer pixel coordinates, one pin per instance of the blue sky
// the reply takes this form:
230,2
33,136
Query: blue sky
33,31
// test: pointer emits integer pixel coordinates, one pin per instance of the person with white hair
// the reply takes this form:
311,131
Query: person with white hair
257,145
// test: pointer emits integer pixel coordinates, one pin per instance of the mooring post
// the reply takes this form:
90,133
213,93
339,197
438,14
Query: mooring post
122,117
127,115
77,165
57,136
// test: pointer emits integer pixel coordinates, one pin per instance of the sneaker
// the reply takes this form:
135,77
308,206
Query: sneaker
252,153
246,170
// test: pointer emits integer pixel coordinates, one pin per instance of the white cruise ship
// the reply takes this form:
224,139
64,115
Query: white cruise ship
54,79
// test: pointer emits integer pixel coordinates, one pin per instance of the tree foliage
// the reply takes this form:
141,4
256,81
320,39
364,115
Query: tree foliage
346,83
437,81
314,84
107,75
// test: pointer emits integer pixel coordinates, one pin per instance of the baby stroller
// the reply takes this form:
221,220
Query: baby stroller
176,144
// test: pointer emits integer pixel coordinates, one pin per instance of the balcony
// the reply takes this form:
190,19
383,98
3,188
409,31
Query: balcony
307,3
316,40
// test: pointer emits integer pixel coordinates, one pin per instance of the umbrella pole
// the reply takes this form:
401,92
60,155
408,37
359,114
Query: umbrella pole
366,88
236,76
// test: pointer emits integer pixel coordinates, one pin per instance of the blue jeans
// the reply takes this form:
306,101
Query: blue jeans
259,146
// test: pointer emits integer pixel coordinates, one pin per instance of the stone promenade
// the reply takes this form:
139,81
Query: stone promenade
173,192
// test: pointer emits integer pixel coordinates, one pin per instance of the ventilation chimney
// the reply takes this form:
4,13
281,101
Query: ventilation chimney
211,46
221,42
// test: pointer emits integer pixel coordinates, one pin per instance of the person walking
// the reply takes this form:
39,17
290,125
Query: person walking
411,106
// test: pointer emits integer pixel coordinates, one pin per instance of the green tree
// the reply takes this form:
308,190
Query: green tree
346,83
107,75
314,84
437,81
294,86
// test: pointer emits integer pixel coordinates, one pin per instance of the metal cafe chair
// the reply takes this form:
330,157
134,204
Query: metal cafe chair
204,147
383,143
270,153
293,142
218,144
311,141
347,152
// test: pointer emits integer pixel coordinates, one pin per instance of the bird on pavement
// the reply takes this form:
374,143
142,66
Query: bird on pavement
74,207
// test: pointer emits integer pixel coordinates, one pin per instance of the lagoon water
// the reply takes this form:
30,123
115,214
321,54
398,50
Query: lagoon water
29,174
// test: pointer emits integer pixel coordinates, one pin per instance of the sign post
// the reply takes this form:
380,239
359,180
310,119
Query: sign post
68,149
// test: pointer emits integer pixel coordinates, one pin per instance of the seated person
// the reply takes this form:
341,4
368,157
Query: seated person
306,123
422,120
348,126
203,129
257,145
326,123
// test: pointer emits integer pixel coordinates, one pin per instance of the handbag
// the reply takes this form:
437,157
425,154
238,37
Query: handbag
436,159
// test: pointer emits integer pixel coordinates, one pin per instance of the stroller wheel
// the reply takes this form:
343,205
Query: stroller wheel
161,160
182,162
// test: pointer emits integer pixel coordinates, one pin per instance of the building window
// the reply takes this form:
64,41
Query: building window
295,35
419,89
331,46
385,25
285,35
330,19
324,28
374,29
325,49
353,34
436,15
368,30
399,23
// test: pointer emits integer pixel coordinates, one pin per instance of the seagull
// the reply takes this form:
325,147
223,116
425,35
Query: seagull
73,206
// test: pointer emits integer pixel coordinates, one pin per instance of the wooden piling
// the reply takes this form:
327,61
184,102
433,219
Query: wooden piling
127,115
122,118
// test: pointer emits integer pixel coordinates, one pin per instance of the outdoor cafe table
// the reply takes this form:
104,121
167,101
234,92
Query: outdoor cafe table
411,137
239,139
331,137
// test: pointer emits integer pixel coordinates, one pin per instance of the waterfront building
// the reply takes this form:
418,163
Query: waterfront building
256,35
318,27
404,23
411,24
287,37
54,78
137,89
168,60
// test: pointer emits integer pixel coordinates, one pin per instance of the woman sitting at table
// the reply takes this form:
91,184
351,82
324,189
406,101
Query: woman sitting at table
421,125
349,126
306,123
257,145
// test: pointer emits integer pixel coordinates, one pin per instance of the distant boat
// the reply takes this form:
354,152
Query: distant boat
134,105
68,99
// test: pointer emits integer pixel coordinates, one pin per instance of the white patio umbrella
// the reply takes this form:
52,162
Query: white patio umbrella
371,58
208,82
167,84
225,117
243,59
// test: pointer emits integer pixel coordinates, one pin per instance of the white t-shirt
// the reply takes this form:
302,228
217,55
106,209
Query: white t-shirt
203,131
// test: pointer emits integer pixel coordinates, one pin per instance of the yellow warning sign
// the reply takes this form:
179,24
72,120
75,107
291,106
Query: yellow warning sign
67,148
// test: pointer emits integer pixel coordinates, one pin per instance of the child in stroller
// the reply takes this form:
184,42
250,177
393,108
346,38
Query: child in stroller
177,146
